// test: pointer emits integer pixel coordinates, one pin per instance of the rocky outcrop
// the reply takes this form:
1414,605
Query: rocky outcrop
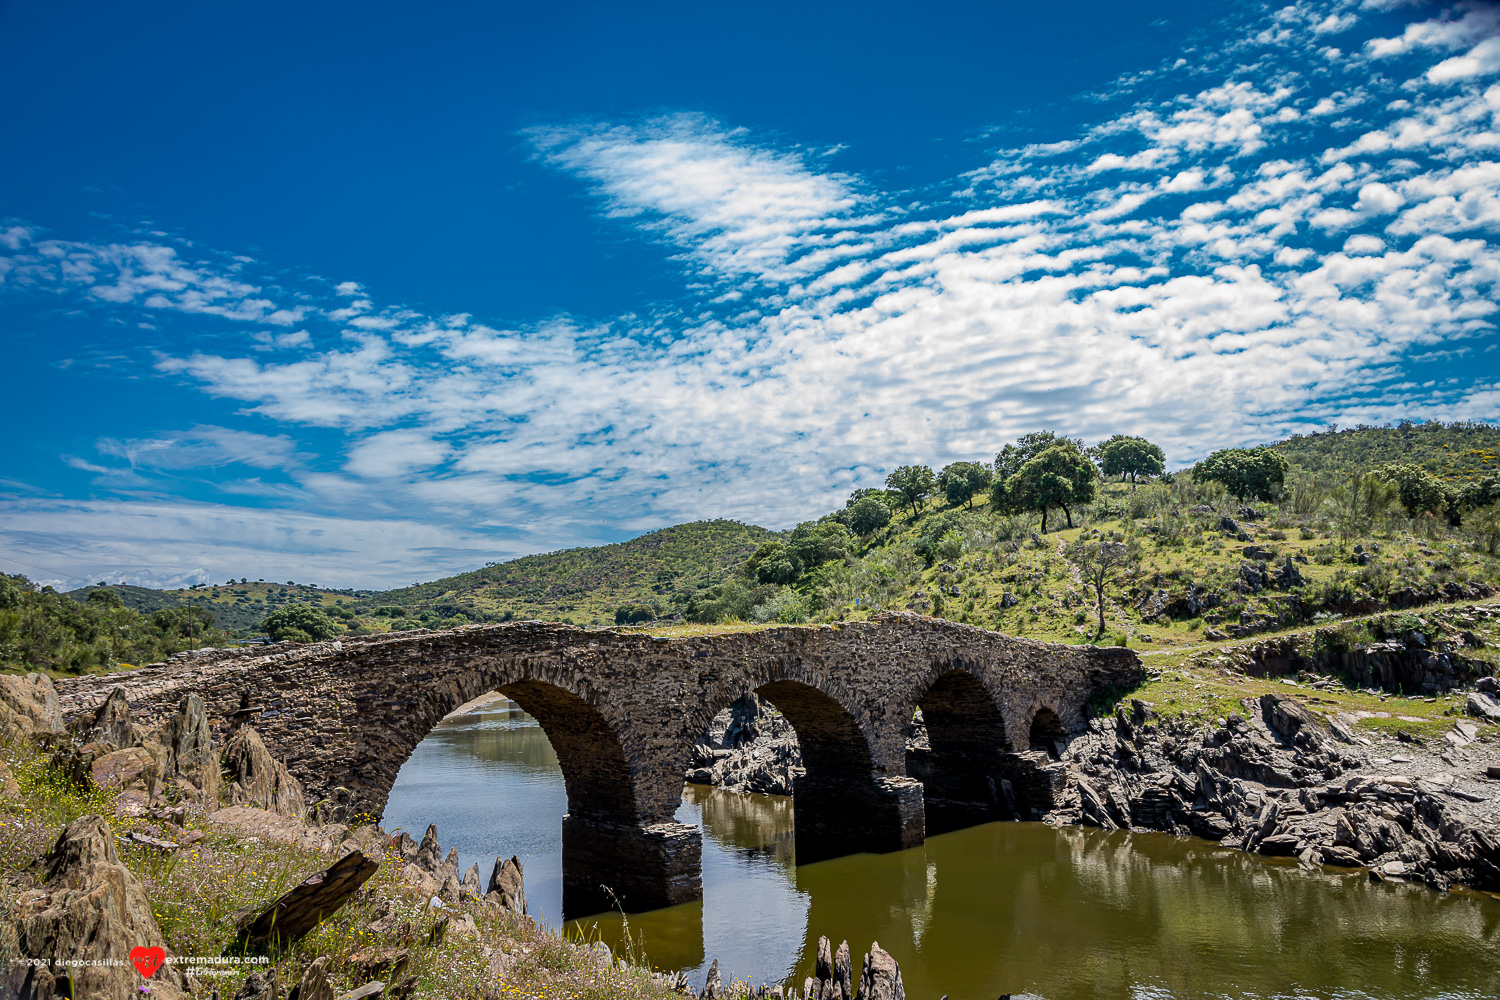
1279,780
192,764
833,975
881,978
507,888
85,924
749,747
1413,654
29,706
258,779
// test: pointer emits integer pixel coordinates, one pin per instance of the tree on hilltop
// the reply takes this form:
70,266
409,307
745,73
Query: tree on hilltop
1131,456
1027,447
867,514
1060,476
914,484
961,482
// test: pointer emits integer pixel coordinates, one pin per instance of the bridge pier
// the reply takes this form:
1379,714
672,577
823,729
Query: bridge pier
960,794
645,866
834,818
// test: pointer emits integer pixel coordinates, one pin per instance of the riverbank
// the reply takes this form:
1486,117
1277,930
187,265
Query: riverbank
1369,743
115,838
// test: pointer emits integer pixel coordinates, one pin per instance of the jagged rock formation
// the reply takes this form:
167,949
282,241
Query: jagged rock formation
258,779
85,923
1413,654
1277,780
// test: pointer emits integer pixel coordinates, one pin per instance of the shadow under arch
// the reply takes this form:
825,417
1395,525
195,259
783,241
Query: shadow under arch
840,805
1047,732
962,774
612,855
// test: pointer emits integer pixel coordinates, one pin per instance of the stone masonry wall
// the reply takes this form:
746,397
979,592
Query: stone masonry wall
622,709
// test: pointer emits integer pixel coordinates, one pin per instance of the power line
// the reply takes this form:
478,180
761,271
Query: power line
28,565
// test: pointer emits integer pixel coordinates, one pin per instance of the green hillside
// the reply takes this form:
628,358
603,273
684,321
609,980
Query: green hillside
236,607
583,585
1452,452
975,561
1197,564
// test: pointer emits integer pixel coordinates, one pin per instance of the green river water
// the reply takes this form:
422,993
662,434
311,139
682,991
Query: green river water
1021,908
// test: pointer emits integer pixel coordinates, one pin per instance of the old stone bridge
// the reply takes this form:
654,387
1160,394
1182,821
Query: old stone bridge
623,710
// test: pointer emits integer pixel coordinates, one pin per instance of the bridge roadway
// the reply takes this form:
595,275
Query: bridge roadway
624,709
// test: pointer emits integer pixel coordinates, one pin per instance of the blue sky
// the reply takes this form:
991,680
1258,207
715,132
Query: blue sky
365,294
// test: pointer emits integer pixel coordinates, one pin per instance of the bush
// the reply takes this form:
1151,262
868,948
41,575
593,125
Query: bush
634,614
301,623
785,606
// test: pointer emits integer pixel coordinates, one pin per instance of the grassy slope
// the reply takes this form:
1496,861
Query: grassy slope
1449,451
586,585
1178,547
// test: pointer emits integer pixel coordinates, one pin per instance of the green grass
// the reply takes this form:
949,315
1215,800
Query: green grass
195,890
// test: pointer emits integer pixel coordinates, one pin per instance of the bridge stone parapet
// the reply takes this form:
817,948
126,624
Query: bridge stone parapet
623,710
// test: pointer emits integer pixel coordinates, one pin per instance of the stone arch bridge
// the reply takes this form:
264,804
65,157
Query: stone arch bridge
623,710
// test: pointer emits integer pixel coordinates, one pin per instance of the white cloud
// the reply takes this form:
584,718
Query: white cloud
1483,58
838,330
739,208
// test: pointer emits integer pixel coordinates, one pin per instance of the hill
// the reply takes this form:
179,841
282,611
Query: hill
1452,452
236,607
582,585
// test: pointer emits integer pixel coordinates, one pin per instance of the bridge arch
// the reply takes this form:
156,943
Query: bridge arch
841,802
962,769
624,708
599,781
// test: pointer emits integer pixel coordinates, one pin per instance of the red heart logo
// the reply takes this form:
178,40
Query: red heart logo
147,960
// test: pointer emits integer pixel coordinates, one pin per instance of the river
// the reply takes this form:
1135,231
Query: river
1007,907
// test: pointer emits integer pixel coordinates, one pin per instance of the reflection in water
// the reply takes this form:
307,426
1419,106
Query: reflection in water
1005,907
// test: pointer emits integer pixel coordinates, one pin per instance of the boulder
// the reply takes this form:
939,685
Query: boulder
29,705
123,768
9,787
1288,576
301,908
257,778
191,759
259,987
1287,718
111,723
95,918
507,885
1483,706
881,978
